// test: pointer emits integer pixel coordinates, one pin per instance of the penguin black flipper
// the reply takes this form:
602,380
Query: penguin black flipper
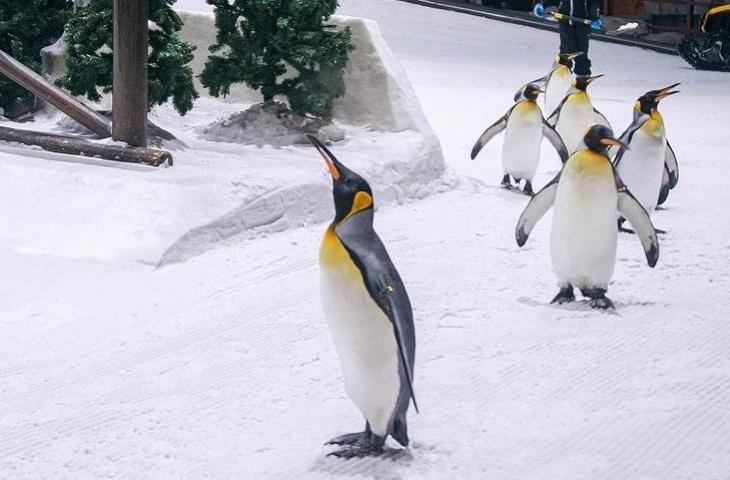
628,135
664,190
666,186
630,208
543,81
601,118
386,288
672,167
535,210
491,131
552,120
554,137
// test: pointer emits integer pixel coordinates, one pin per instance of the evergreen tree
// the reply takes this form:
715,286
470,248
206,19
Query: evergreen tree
89,55
26,26
258,40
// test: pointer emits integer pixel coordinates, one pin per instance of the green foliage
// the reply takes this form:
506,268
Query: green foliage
26,26
89,55
259,41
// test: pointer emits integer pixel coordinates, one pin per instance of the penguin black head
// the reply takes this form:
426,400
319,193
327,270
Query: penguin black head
581,82
568,59
350,191
528,92
650,100
600,138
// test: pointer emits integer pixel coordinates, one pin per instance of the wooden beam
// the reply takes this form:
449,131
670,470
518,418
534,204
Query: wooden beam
39,86
129,96
77,146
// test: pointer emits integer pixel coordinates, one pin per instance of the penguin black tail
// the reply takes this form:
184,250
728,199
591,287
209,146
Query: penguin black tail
400,430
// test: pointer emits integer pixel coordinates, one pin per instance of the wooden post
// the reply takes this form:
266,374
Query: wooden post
39,86
129,96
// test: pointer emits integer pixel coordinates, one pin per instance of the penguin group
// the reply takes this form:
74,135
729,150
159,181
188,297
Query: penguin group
604,181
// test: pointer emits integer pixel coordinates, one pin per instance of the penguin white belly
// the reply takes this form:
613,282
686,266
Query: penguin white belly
523,135
576,117
583,237
365,342
557,87
641,168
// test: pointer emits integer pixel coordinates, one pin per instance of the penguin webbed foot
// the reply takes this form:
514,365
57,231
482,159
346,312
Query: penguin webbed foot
623,229
507,182
349,439
527,189
598,299
565,295
364,444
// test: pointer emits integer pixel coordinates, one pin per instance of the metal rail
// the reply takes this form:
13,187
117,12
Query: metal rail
529,22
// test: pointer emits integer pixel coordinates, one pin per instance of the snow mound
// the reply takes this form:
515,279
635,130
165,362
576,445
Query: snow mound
271,124
110,212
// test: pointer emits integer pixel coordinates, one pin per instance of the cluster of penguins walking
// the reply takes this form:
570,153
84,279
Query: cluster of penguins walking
364,300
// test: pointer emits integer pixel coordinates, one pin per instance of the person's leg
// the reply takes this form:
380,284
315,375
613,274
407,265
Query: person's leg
567,39
581,37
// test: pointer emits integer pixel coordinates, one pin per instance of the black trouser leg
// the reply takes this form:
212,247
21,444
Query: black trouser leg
582,37
567,40
575,38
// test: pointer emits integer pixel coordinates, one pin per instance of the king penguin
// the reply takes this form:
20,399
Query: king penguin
587,195
649,168
525,126
576,113
369,315
557,82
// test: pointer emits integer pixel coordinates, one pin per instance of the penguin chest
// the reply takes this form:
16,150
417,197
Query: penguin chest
583,237
641,168
523,135
363,336
576,117
557,87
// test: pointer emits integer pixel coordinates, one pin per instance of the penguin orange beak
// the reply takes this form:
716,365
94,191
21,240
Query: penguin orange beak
662,90
575,55
666,94
610,141
594,77
326,155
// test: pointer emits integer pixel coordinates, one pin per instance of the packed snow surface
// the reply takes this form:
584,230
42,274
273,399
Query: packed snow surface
219,365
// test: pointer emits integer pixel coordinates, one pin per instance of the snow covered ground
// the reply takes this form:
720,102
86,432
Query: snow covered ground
219,366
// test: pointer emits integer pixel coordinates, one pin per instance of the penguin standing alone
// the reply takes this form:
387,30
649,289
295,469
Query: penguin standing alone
558,80
587,194
576,113
649,168
368,313
525,126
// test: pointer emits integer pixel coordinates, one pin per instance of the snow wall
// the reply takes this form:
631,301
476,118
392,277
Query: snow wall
379,98
379,93
217,190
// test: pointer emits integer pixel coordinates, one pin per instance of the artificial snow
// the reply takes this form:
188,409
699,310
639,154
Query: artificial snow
220,188
220,366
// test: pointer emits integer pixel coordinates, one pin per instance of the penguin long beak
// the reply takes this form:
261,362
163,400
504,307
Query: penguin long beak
662,90
662,95
575,55
610,141
594,77
329,159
